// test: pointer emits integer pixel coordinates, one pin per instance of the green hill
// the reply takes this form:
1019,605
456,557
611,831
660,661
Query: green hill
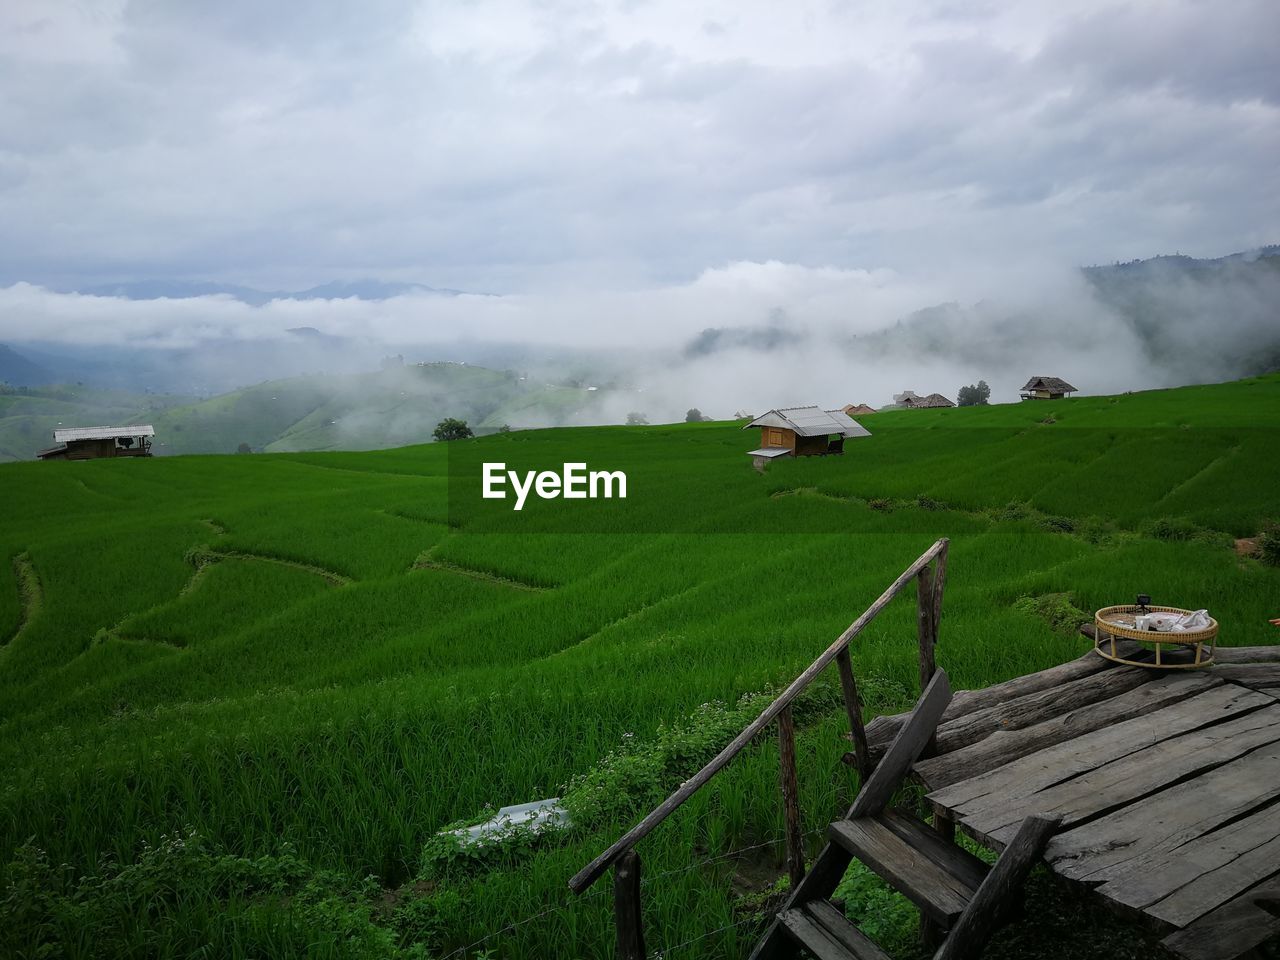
239,696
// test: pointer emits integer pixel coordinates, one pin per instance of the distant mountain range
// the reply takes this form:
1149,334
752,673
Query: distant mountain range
182,290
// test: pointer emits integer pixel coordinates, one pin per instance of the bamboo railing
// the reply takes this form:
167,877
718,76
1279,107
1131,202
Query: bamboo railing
930,572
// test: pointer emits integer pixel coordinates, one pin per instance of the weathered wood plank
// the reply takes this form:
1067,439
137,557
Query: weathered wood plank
844,932
980,918
1232,929
931,843
940,895
1117,844
626,907
926,635
1036,707
1064,760
1247,654
853,708
1189,881
1131,777
790,794
902,753
1005,746
1249,674
880,730
809,934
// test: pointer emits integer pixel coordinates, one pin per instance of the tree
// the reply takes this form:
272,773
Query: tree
452,429
637,420
974,395
694,416
244,448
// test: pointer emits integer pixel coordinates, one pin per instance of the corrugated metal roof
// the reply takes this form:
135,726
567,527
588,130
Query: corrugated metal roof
103,433
811,422
769,452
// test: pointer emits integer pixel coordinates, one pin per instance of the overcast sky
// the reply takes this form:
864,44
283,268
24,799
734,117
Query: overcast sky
517,147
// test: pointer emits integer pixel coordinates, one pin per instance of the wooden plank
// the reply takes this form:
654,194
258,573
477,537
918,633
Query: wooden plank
1036,707
882,729
1064,760
809,934
925,840
1117,844
818,884
1247,654
924,625
853,707
1249,674
1005,746
1234,928
979,921
592,872
1183,884
845,933
626,907
940,895
1132,777
906,747
790,795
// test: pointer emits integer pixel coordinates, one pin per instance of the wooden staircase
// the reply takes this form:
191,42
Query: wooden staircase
957,893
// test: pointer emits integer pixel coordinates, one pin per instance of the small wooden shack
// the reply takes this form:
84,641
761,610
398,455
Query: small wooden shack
1046,388
802,432
92,443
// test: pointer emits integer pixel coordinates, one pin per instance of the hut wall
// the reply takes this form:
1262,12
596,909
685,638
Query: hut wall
90,449
778,437
811,446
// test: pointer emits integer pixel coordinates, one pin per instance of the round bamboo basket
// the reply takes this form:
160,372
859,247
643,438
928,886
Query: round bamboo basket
1191,650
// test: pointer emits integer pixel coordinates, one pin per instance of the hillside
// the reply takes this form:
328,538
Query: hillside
391,407
239,696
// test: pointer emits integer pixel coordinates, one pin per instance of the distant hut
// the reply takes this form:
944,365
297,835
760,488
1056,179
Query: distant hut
1046,388
802,432
92,443
856,409
905,397
914,402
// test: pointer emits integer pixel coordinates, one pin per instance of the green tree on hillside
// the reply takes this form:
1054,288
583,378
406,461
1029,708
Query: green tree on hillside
452,429
694,416
974,395
244,448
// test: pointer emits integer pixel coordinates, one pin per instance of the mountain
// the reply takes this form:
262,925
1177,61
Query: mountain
394,406
366,289
18,371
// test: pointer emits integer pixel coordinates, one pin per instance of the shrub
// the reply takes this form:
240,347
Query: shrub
1172,528
928,503
883,504
1058,524
1058,610
1269,545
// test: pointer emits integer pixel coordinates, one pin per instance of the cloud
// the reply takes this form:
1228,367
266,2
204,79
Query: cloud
524,147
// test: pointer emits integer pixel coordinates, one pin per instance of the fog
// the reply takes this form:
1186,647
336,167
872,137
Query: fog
743,337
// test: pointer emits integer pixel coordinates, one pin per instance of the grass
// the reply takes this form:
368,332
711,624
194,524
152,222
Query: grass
255,688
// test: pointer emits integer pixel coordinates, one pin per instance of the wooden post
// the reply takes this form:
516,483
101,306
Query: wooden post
924,624
853,706
939,584
626,907
790,794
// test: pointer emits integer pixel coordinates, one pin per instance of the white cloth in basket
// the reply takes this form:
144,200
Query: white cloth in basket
1173,622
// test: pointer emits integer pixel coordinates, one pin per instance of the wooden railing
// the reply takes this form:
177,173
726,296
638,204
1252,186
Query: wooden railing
930,572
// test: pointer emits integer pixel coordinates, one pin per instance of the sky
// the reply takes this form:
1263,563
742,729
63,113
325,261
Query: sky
603,165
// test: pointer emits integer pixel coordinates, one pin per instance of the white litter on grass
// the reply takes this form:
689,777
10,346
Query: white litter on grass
535,817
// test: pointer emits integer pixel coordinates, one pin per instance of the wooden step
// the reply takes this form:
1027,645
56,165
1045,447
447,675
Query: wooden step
825,932
936,875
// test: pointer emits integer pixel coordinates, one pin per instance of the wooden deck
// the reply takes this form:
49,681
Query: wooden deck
1167,785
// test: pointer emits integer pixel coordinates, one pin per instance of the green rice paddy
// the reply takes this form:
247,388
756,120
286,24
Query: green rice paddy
240,695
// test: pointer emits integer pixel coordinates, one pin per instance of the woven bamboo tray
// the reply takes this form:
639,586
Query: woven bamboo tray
1190,650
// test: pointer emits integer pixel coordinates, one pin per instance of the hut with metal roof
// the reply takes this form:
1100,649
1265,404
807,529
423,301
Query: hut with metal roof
802,432
92,443
1046,388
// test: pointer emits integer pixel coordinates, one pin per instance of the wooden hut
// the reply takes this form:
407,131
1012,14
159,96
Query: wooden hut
802,432
914,402
856,409
1046,388
92,443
